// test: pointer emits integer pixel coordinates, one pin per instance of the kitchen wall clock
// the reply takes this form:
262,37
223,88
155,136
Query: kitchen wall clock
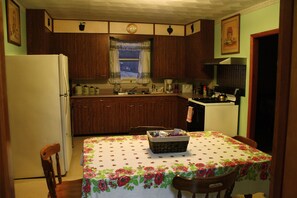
131,28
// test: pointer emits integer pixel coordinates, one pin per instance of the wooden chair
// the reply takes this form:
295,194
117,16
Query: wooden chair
246,140
206,185
65,189
141,130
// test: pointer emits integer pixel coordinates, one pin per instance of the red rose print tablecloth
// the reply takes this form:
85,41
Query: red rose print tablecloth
124,166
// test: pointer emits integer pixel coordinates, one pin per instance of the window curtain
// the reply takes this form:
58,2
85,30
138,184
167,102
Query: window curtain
114,63
144,66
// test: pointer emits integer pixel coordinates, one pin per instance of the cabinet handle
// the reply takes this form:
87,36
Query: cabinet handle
131,105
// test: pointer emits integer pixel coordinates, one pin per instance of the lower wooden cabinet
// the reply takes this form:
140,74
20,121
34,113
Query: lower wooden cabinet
105,115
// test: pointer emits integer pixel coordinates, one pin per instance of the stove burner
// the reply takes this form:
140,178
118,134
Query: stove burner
210,100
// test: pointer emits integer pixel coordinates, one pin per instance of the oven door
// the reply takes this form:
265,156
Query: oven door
197,123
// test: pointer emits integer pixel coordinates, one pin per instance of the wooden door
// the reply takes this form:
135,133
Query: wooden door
284,158
6,178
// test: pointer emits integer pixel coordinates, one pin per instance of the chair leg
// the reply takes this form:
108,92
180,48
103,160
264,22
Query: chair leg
179,195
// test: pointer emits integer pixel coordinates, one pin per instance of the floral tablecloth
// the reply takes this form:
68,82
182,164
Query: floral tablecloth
124,166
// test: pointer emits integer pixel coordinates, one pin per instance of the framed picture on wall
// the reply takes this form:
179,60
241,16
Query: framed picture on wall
13,22
230,35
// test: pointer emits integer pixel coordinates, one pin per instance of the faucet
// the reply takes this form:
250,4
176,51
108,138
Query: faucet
133,90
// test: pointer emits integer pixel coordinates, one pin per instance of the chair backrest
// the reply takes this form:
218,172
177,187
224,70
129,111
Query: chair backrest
141,130
46,154
205,185
246,140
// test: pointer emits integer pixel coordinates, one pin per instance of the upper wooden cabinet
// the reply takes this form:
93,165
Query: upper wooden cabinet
39,34
168,57
87,54
200,48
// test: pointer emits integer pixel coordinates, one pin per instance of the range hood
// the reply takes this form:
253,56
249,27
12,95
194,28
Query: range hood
227,61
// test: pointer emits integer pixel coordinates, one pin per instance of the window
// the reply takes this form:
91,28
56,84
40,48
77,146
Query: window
129,60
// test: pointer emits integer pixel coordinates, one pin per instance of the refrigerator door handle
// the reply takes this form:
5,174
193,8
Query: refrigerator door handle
64,95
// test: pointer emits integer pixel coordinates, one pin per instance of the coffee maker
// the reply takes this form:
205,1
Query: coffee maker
168,86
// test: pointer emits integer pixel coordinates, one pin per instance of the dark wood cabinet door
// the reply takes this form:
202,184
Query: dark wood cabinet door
97,119
200,48
113,118
39,38
87,54
168,57
81,117
163,111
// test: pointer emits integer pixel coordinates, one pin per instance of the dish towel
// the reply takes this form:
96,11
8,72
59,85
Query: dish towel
190,114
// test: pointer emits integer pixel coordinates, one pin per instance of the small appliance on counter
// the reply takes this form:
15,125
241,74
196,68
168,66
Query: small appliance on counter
187,88
168,86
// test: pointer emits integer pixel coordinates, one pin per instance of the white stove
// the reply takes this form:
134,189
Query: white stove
210,114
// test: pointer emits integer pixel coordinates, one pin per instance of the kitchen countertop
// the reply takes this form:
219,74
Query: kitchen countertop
182,95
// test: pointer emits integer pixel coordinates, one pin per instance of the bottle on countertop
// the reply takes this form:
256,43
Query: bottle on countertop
204,90
97,91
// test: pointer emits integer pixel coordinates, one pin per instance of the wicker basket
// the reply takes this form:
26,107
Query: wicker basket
171,144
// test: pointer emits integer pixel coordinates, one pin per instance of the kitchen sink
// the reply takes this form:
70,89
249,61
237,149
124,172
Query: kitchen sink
133,93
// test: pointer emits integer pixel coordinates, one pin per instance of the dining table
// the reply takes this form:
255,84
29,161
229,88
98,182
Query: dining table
124,166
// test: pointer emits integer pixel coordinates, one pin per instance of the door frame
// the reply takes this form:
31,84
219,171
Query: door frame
253,79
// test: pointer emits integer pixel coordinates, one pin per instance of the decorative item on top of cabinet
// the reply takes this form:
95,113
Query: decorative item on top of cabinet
48,21
131,28
193,27
81,26
75,26
169,30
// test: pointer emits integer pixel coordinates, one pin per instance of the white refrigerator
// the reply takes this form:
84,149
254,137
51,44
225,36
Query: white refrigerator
39,110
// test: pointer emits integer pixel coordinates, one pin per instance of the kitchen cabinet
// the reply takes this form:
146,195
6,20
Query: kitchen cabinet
80,116
117,114
199,49
95,116
168,57
88,55
182,105
38,35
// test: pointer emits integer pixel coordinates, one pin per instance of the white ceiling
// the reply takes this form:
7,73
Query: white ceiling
149,11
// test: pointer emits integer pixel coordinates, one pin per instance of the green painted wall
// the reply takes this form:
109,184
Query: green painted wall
260,20
11,49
